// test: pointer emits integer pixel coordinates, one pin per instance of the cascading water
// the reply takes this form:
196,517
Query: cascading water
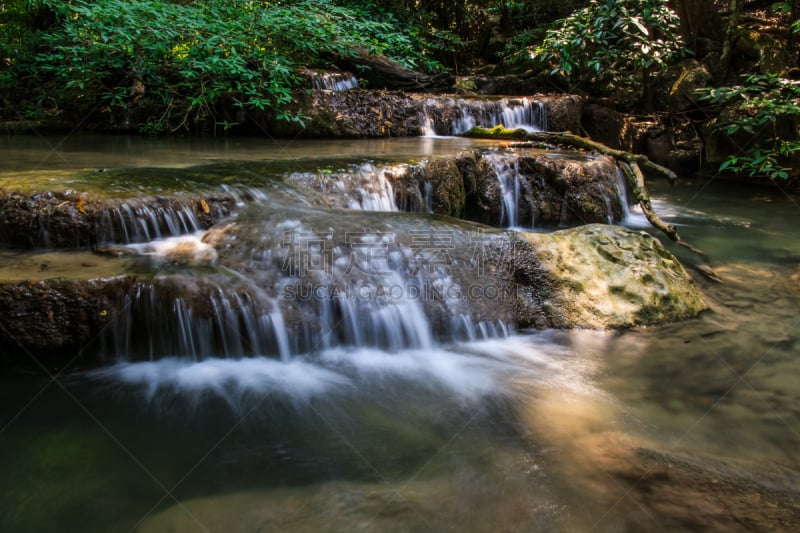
131,223
281,287
506,167
450,116
332,81
366,186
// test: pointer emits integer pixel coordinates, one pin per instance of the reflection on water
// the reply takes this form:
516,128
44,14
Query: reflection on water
689,426
108,151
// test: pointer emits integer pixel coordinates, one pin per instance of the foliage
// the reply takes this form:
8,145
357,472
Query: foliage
757,108
626,38
190,59
787,9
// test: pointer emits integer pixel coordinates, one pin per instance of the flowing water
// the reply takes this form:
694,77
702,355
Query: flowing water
490,431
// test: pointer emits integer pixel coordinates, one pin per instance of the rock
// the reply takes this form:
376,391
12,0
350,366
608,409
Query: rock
614,129
676,87
469,85
564,113
683,94
701,493
610,277
447,183
570,190
770,53
383,73
687,160
659,145
53,320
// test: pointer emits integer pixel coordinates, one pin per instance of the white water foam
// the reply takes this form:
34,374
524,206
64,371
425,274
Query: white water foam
464,372
188,249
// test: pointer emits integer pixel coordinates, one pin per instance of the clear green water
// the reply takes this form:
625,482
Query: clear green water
523,434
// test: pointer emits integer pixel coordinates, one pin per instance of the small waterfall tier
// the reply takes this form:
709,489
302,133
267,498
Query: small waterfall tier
280,282
453,116
334,81
363,186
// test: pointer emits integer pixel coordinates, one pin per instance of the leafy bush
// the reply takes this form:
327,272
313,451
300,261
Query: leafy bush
189,59
623,38
757,109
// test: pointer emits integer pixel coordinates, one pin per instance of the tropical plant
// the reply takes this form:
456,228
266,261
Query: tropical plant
760,108
188,60
613,43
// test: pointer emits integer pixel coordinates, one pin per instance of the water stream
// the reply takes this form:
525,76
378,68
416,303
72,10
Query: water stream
387,427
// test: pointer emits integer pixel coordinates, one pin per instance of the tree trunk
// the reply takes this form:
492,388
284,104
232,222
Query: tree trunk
383,73
700,23
731,33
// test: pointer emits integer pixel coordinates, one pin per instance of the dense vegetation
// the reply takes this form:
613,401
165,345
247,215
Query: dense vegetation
181,63
188,59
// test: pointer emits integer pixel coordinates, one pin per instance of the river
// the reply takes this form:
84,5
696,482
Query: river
694,425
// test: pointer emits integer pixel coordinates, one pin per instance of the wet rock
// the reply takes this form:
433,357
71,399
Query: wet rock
370,113
550,189
447,186
355,113
50,322
564,113
416,505
595,277
482,189
610,277
570,190
676,87
65,219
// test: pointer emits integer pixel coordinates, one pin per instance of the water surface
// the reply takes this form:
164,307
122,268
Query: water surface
536,432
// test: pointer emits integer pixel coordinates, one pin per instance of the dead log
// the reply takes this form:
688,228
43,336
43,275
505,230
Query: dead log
380,72
565,138
642,197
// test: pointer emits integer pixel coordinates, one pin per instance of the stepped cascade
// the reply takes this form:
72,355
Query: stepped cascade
280,260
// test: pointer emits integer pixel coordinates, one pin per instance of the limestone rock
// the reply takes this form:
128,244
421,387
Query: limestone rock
683,93
610,277
675,87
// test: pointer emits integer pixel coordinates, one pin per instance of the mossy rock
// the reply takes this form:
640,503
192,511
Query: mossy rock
611,277
498,132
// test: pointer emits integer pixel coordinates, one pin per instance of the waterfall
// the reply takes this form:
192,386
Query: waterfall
285,282
622,193
211,321
136,222
332,81
506,168
428,197
363,187
451,116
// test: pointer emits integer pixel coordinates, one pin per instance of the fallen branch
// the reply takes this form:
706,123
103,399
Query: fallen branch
642,197
631,164
570,139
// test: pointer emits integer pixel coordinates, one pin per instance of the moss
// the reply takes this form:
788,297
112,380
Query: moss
498,132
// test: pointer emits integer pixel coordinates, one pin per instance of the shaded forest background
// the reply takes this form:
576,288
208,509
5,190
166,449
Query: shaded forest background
181,63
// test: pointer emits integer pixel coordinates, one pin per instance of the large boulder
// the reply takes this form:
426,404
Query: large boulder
676,88
611,277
